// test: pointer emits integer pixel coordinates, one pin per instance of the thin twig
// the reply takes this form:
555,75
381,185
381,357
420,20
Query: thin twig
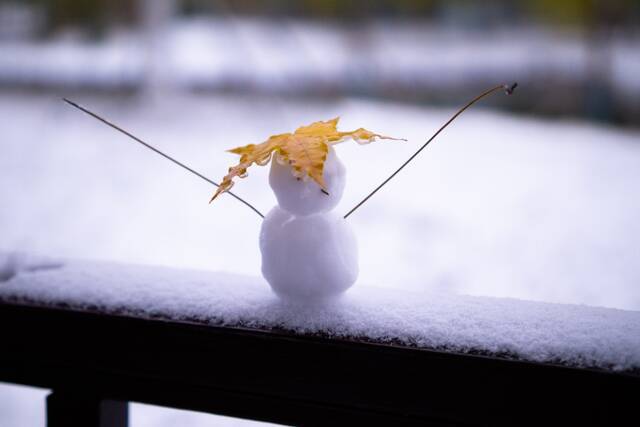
152,148
508,90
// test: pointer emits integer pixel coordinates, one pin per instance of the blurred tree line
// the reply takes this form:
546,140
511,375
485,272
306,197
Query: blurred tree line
97,15
588,91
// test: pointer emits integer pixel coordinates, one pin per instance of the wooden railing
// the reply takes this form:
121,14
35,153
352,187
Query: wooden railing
95,363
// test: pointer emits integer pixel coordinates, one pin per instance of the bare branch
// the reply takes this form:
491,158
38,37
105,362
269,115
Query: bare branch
152,148
508,90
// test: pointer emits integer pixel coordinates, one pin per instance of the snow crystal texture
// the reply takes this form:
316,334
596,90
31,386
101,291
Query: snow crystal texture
543,332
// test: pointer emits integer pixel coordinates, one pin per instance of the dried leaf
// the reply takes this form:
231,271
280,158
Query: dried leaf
305,150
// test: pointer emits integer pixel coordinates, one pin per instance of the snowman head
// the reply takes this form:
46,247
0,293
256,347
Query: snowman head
303,196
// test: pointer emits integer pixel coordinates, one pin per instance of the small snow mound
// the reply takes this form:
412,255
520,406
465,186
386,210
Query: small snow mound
13,263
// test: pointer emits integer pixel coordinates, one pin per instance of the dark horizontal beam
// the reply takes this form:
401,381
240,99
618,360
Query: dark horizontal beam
79,408
294,379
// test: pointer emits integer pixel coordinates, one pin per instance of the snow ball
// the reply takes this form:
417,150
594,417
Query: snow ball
304,196
310,257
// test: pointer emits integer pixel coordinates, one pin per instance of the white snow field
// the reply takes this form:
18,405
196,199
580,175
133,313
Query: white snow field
497,206
543,332
25,407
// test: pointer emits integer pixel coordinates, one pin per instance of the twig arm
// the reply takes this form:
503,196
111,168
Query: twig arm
508,90
152,148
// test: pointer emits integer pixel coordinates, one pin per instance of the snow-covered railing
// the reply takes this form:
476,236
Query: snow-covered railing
100,335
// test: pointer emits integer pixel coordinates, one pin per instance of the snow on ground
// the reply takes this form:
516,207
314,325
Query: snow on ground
154,416
498,205
22,406
25,407
571,334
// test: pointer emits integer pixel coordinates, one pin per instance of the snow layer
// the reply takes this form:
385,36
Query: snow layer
571,334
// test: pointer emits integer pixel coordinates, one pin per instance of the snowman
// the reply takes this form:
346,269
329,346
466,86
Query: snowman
309,252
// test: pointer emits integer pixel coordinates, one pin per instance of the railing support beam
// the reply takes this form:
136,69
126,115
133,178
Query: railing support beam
77,409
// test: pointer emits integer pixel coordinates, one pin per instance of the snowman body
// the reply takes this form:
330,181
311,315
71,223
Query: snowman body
308,251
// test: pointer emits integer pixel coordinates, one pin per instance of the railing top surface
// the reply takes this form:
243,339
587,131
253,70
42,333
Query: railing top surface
574,335
571,335
293,378
205,329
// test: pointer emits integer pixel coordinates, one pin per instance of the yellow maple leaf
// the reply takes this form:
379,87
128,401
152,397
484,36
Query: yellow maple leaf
305,151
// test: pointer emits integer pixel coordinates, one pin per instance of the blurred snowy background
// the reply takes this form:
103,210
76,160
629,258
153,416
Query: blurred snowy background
533,196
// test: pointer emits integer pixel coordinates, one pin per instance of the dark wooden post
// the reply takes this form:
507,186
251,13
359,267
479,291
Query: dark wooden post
77,409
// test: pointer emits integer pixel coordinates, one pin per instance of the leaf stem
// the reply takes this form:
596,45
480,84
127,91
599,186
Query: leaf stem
166,156
508,89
